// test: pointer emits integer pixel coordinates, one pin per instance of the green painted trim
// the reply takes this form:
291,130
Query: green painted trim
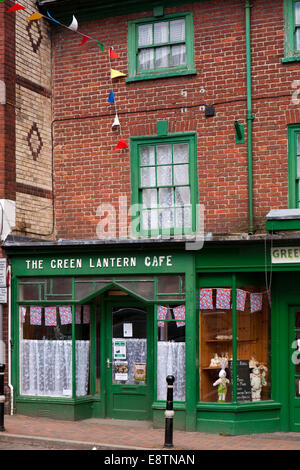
292,132
290,51
189,68
239,133
162,128
286,60
277,225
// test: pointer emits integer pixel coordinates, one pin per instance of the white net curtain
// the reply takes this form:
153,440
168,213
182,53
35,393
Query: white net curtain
46,367
171,361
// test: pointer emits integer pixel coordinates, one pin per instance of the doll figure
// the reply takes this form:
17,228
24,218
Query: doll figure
222,385
257,380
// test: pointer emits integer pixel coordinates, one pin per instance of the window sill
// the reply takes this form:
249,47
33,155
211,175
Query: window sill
286,60
152,76
242,406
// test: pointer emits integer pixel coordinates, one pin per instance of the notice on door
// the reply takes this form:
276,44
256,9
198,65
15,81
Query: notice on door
121,371
119,349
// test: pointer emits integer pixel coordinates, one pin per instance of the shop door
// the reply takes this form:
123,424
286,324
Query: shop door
129,363
294,368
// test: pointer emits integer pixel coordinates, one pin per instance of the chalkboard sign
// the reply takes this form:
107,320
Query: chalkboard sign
243,380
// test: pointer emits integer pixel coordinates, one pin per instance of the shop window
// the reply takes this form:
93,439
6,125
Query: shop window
217,322
160,47
292,30
46,350
171,350
164,186
294,165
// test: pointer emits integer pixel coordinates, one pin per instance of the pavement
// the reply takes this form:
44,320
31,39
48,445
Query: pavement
124,435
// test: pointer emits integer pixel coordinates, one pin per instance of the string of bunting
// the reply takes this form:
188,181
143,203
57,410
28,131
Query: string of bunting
73,26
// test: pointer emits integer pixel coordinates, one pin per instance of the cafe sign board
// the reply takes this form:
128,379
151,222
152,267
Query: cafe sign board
285,254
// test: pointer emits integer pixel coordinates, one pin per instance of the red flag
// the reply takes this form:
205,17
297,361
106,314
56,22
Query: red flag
16,7
122,144
84,39
113,54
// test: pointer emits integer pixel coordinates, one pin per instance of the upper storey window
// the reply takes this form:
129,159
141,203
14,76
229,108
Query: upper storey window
160,47
292,30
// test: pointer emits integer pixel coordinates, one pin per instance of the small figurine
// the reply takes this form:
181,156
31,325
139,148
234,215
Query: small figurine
258,380
222,385
215,361
253,363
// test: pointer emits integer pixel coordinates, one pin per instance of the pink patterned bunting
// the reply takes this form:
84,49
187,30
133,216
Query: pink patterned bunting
240,299
255,302
65,315
206,301
161,314
22,314
86,314
50,316
179,314
35,315
223,298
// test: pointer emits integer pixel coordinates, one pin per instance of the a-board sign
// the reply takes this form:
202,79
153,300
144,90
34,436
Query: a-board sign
243,380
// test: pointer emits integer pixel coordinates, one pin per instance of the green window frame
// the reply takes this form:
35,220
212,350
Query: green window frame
175,199
292,30
294,165
161,37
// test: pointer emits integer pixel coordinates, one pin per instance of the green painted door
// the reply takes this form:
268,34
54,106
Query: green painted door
294,368
129,360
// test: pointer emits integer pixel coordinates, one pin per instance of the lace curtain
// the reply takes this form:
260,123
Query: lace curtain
171,361
46,368
136,352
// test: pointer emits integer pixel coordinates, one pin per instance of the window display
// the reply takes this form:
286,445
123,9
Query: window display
251,321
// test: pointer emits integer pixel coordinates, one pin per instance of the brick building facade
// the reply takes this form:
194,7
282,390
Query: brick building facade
208,105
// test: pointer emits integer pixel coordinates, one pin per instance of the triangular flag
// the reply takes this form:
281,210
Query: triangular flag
111,98
34,16
52,18
113,54
101,46
84,39
121,144
74,25
115,73
116,122
16,7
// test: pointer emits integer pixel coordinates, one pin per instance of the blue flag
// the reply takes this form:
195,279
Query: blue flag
111,98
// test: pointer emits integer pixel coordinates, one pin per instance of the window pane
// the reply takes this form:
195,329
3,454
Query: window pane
182,195
183,217
164,154
161,32
298,167
181,153
164,175
166,197
146,59
145,37
149,198
178,55
181,174
147,155
29,292
166,218
297,12
150,219
148,176
168,284
177,30
298,38
162,57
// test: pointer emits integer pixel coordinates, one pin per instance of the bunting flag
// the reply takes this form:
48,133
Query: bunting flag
86,314
101,46
116,122
78,314
35,315
74,25
111,98
16,7
55,21
34,16
113,54
240,299
65,315
115,73
179,314
255,302
161,314
22,314
223,298
50,316
84,40
122,144
206,301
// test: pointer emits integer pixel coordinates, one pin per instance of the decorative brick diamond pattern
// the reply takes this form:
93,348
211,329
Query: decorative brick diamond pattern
34,140
35,42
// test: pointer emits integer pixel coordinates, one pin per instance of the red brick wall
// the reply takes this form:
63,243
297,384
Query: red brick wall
88,169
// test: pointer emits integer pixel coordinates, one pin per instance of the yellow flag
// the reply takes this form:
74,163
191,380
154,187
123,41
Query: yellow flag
115,73
34,16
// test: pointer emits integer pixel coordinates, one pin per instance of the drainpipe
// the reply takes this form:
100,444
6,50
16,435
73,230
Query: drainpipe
9,344
250,118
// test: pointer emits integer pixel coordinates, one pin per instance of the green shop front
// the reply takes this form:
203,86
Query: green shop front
96,328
